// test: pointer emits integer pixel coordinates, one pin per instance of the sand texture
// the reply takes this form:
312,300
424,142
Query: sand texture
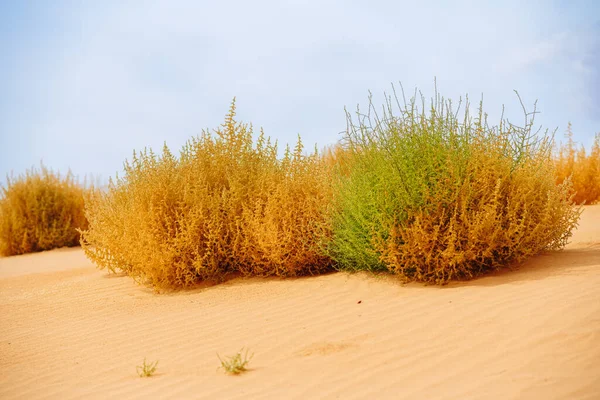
70,331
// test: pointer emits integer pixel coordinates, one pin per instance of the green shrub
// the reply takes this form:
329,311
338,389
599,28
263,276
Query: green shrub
432,197
226,204
40,210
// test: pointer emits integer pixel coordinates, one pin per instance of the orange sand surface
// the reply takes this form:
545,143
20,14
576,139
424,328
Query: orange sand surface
70,331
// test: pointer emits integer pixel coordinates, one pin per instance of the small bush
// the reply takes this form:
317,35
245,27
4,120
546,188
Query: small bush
434,198
236,364
226,204
582,168
40,210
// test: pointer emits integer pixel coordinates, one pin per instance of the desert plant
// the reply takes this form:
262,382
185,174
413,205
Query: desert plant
146,369
433,198
286,225
225,205
236,364
40,210
581,168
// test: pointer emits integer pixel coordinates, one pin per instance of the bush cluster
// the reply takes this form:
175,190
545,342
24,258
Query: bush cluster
432,197
412,189
40,210
224,205
583,169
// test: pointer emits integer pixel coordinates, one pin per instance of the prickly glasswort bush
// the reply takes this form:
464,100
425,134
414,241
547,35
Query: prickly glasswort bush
224,205
583,169
434,198
40,211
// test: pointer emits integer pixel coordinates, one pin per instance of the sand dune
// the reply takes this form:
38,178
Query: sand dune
69,331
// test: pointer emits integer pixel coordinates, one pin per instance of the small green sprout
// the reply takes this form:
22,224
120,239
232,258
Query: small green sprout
236,364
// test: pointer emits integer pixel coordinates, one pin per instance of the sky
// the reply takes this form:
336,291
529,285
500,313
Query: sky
84,83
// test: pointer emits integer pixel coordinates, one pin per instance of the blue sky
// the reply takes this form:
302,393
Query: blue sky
84,83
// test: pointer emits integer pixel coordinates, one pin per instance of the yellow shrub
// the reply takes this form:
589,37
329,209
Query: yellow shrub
499,214
582,168
40,211
286,227
224,205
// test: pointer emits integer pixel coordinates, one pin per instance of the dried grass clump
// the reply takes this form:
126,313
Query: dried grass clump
582,168
146,370
433,198
40,210
224,205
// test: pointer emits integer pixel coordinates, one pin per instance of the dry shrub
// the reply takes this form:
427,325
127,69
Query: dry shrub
224,205
500,214
433,198
582,168
40,210
286,226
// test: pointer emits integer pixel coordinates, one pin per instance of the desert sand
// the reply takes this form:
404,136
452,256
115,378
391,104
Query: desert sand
70,331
